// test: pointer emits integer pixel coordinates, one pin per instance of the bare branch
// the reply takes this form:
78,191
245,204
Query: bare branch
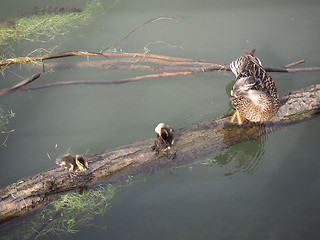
295,63
19,85
126,80
136,29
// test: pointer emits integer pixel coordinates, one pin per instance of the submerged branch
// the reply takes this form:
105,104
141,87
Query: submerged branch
125,80
192,143
21,84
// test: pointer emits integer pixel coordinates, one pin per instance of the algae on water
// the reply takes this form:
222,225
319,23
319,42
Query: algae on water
68,214
45,24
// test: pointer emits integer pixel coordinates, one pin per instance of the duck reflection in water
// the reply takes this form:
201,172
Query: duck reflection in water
246,156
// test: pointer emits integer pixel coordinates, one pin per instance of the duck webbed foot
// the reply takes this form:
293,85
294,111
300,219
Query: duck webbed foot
239,118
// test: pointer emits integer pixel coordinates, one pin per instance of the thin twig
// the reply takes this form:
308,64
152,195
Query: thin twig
294,63
18,75
291,70
136,29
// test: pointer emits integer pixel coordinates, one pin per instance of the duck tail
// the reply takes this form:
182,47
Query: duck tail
249,53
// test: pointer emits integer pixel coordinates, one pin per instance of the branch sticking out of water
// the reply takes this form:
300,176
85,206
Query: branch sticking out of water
19,85
111,46
171,66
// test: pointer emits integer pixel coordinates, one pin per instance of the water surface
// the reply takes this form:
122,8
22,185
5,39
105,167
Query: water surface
255,190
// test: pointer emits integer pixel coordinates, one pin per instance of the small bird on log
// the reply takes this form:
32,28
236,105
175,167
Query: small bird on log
74,163
254,94
165,134
164,141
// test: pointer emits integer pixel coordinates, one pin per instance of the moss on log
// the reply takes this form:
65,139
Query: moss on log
192,142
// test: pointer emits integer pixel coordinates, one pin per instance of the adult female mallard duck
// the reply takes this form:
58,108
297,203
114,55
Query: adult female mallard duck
254,94
74,163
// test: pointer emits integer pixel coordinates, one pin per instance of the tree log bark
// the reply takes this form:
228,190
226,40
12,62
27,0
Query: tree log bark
192,142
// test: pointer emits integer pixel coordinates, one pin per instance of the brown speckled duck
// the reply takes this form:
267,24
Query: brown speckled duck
254,94
74,163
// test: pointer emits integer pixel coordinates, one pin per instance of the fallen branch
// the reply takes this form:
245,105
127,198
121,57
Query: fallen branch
192,143
179,65
19,85
126,80
9,62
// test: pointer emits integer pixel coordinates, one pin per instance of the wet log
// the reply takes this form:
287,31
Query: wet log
192,143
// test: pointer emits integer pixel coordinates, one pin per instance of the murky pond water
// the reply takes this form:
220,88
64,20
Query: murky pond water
267,189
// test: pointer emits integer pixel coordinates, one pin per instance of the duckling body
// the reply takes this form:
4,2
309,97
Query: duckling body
165,134
254,94
74,163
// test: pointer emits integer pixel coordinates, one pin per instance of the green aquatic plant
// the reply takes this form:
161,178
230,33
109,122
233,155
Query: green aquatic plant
4,121
67,214
45,26
75,209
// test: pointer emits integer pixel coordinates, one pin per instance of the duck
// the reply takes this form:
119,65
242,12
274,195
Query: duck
165,134
74,163
254,94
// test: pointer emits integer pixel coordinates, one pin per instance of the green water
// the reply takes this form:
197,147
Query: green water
267,189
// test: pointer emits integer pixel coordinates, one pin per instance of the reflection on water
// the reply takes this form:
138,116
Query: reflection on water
228,89
246,156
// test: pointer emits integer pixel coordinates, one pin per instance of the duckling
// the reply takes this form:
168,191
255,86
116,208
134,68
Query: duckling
165,134
254,94
74,163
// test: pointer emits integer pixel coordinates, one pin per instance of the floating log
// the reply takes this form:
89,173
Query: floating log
192,143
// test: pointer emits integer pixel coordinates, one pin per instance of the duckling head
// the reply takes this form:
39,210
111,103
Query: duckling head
81,163
165,133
